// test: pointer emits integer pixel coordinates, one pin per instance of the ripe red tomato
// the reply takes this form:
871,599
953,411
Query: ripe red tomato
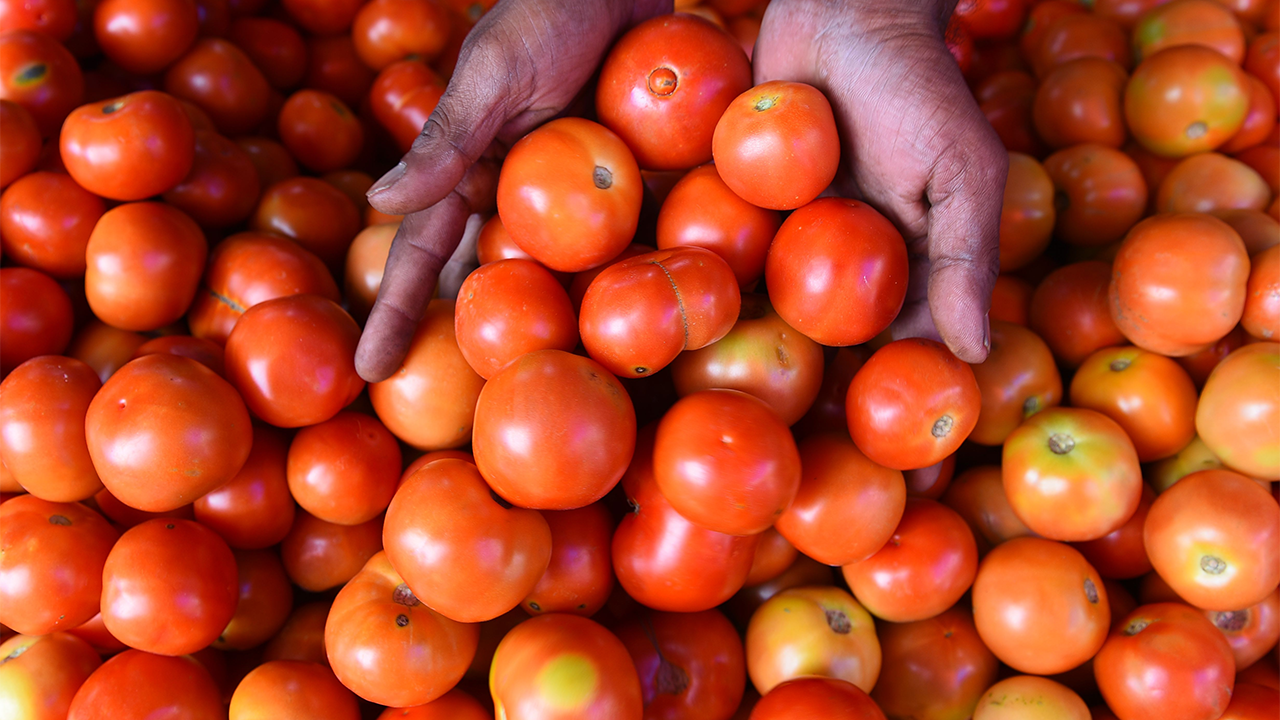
41,674
912,404
322,17
1099,191
812,697
45,222
1080,35
254,509
344,470
690,664
320,131
145,37
219,78
1251,632
1017,380
1189,22
312,213
1184,100
35,317
43,403
1121,554
129,148
1234,420
1150,396
978,495
293,360
222,188
319,555
664,86
812,631
776,145
385,31
137,684
453,705
1069,311
1261,317
275,48
41,76
934,668
155,562
1081,101
292,688
1028,213
582,213
837,271
264,602
19,141
403,97
388,647
165,430
553,431
579,577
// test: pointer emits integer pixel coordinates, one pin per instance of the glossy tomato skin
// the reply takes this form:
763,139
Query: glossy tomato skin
41,674
553,431
51,567
933,669
150,565
837,271
1213,537
776,145
385,31
320,555
366,262
138,684
43,403
292,688
1210,182
1261,317
726,462
453,705
1070,311
1184,100
274,46
812,631
1017,380
1251,632
320,131
20,144
1190,22
42,77
36,317
464,552
1080,35
816,697
665,84
912,404
1027,214
690,664
165,430
223,81
1165,661
579,576
293,360
144,264
1104,190
254,509
264,602
388,647
1039,606
145,37
323,17
582,213
403,96
558,667
312,213
1121,554
1149,395
1233,419
345,469
1081,101
130,147
45,222
222,188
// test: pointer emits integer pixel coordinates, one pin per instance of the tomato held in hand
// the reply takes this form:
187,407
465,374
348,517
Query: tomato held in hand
140,684
690,664
664,86
130,147
1235,420
165,430
43,403
812,631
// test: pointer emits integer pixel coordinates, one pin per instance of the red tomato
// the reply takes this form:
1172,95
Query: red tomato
1080,35
1186,99
312,213
562,218
385,31
1100,193
579,577
1234,420
264,603
302,637
275,47
1261,317
165,430
1121,554
1252,702
138,684
812,697
559,667
320,131
224,82
553,431
776,145
293,360
45,222
35,317
1069,311
345,469
205,352
1028,213
1148,395
155,562
51,565
726,462
41,674
41,76
322,17
222,188
929,561
812,631
934,668
292,688
403,97
372,653
19,141
1252,632
145,36
1081,101
270,159
42,412
453,705
1017,380
254,509
691,665
1259,121
1189,22
55,18
665,84
319,555
837,271
912,404
978,495
130,147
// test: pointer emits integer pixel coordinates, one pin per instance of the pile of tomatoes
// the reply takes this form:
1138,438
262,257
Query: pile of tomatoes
659,457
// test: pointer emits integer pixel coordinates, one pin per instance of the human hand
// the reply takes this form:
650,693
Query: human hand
915,146
523,63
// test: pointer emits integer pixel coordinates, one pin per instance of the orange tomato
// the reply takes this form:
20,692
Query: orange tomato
1184,100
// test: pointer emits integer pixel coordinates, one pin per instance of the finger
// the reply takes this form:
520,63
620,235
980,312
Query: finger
463,260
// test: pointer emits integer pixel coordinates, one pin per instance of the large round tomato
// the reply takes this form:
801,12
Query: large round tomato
40,675
1148,395
130,147
1099,193
1028,213
812,631
345,469
312,213
320,131
264,602
1184,100
1238,422
292,688
319,555
1069,311
253,509
385,31
219,78
814,697
43,403
38,73
691,665
1080,101
579,577
139,684
145,37
45,222
933,669
35,317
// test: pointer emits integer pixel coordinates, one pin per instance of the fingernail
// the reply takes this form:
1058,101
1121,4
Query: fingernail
393,175
986,331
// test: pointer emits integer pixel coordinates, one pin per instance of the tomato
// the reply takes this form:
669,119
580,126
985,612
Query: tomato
276,48
293,360
1259,121
816,697
776,145
366,261
55,18
453,705
1017,380
36,318
978,496
42,411
1069,311
387,646
51,565
761,356
20,143
1121,554
1100,194
45,222
272,161
222,188
1260,61
253,509
250,268
1080,101
129,148
579,577
319,555
1165,661
1027,697
553,431
1261,317
812,631
292,688
320,131
1199,255
139,684
165,430
40,675
562,218
1189,22
223,81
403,97
1251,631
928,562
1258,229
205,352
1214,537
663,560
912,404
1252,702
803,571
664,86
1080,35
264,603
773,555
726,462
355,185
385,31
1149,395
312,213
144,264
302,637
1008,108
1027,215
691,665
933,669
38,74
344,470
322,17
1184,100
992,19
155,562
558,667
508,308
837,271
1039,606
1011,299
144,37
1209,182
1234,420
125,517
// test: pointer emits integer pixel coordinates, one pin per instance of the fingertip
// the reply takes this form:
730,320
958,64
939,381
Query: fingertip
382,347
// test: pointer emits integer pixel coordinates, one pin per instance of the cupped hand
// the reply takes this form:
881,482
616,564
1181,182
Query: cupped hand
523,63
915,146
